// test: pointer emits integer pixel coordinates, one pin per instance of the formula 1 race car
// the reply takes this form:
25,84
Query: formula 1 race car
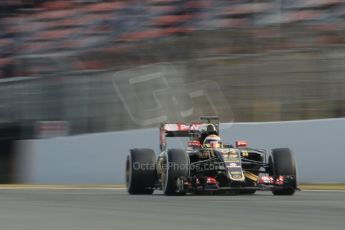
207,166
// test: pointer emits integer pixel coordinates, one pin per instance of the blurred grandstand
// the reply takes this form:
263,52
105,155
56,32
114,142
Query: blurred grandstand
274,59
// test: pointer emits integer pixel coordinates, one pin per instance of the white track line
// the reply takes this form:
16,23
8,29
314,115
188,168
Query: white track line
322,190
59,187
111,188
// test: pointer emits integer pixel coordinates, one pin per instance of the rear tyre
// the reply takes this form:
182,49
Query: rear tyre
283,164
140,171
177,166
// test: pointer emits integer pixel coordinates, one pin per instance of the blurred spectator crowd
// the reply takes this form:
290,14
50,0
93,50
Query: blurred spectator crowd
93,35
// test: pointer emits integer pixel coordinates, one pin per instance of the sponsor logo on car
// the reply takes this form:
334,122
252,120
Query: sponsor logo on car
234,165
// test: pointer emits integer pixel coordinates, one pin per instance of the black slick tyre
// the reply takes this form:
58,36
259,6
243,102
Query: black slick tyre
177,166
283,164
140,171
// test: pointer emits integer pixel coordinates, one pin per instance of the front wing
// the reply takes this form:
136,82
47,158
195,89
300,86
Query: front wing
210,184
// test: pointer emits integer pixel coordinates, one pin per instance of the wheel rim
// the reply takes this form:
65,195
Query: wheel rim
165,173
179,185
128,172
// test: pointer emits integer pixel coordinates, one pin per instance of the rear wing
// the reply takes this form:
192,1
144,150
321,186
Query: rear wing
187,130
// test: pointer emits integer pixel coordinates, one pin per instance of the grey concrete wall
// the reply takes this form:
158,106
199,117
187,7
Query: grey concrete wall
319,147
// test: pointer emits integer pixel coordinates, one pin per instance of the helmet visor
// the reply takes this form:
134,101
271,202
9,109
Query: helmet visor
214,144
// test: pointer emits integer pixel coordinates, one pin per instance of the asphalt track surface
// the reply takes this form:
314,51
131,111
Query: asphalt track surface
113,209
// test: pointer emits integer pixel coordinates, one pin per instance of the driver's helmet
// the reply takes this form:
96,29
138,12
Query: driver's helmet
212,141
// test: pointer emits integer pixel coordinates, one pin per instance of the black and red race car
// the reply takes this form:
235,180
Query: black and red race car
205,169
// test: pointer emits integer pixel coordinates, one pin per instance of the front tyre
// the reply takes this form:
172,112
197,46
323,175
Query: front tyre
140,171
283,164
176,167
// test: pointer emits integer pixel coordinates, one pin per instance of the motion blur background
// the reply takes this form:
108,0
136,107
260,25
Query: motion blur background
64,64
